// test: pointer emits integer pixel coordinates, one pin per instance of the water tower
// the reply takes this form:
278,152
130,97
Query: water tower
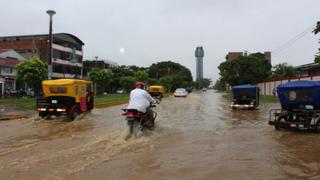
199,53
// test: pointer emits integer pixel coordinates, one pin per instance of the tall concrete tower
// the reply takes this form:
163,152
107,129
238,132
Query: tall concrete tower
199,53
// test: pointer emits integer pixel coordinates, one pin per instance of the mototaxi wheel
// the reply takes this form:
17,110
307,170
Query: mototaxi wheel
276,127
43,114
73,114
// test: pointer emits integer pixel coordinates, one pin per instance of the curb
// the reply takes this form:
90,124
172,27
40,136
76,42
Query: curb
12,117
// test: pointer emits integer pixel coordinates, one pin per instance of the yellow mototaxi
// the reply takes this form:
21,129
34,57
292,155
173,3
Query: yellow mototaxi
65,97
156,91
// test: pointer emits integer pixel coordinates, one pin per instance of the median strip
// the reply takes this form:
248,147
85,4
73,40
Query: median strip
112,103
12,117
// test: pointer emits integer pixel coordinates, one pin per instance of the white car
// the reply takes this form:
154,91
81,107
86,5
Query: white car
120,91
180,92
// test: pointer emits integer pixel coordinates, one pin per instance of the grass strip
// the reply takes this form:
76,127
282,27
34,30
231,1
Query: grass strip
27,103
263,98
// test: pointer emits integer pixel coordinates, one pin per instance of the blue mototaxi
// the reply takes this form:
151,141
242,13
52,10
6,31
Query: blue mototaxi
300,106
245,97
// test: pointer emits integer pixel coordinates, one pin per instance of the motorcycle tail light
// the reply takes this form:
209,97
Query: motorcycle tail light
131,113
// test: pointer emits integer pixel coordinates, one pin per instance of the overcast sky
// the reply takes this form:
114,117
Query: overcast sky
142,32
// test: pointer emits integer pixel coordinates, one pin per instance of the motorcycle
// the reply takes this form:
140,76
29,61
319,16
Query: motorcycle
136,119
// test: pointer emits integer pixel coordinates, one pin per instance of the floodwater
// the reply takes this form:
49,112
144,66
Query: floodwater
198,137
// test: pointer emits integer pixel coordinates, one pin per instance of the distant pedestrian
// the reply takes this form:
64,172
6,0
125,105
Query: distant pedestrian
274,92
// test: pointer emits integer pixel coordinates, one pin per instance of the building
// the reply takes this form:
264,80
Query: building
67,51
234,55
10,53
100,64
7,74
310,69
199,53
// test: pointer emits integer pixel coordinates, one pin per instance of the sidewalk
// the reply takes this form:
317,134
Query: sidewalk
10,113
12,117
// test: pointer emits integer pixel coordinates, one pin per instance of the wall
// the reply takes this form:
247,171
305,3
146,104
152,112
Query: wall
266,87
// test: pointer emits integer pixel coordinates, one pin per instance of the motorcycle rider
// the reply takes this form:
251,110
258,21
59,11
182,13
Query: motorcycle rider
140,100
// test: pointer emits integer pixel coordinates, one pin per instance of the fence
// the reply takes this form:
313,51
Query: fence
267,87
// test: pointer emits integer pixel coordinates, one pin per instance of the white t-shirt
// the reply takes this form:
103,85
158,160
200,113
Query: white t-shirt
140,100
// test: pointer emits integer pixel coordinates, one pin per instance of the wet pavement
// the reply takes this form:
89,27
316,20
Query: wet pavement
198,137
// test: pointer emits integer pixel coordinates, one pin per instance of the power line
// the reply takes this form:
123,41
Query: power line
289,43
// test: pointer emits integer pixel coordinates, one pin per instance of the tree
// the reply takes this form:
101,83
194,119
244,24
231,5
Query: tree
123,71
283,70
220,85
33,71
168,68
316,31
127,82
141,76
101,77
250,69
167,82
171,75
205,83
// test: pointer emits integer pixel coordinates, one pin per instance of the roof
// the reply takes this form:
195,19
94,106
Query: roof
155,86
10,53
308,66
56,36
4,50
61,82
244,87
299,84
8,62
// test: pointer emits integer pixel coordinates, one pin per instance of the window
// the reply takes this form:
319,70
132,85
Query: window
76,89
7,70
58,90
299,95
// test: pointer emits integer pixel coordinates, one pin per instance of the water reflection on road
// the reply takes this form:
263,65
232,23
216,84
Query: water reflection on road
198,137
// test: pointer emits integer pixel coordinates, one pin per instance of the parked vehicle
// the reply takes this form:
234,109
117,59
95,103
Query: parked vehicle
156,91
300,106
204,89
65,97
30,92
180,92
245,97
120,91
139,121
189,89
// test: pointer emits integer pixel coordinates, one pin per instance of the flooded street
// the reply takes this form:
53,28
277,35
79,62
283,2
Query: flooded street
198,137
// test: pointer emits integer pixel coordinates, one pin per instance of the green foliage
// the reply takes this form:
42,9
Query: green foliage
283,70
168,68
205,83
316,31
152,81
317,58
122,71
167,82
127,82
141,76
171,75
32,71
317,28
101,77
250,69
220,85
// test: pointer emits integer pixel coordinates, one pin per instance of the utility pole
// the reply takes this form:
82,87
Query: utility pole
50,13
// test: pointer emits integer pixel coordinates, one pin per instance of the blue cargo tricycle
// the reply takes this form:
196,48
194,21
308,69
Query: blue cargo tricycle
245,97
300,106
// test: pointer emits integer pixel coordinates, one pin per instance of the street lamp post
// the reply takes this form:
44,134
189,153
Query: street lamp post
50,13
